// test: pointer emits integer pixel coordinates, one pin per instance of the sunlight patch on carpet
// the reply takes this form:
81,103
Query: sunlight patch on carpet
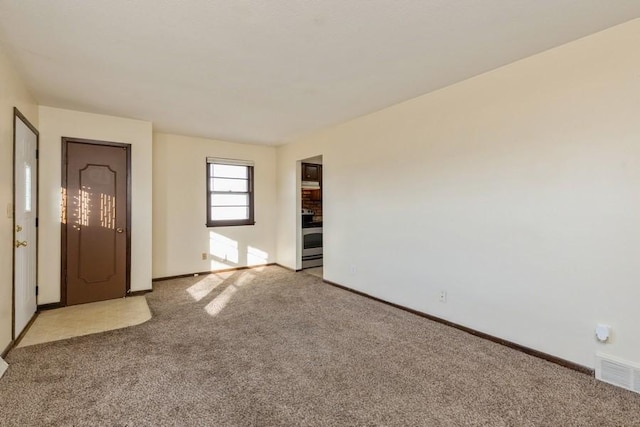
205,286
219,303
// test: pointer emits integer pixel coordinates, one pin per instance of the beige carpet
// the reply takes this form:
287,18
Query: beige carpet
84,319
277,348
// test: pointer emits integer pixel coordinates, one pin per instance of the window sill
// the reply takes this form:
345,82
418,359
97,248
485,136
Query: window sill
230,223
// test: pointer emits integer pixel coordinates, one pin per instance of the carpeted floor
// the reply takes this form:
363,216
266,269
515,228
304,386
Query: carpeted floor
273,347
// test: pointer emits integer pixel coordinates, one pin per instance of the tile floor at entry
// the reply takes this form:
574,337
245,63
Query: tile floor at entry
85,319
315,271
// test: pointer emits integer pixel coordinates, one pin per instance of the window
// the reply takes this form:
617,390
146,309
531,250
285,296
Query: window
229,192
27,187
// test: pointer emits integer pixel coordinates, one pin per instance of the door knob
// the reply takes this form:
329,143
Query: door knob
18,228
119,230
19,243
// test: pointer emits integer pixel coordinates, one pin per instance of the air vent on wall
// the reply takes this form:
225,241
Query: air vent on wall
618,372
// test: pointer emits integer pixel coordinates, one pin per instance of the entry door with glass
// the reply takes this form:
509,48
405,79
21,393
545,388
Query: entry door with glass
25,240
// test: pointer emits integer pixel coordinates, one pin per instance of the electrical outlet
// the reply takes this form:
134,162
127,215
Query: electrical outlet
205,256
353,269
443,296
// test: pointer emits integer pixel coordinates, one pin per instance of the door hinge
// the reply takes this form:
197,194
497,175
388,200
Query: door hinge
36,290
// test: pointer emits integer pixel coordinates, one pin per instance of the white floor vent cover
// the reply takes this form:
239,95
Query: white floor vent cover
618,372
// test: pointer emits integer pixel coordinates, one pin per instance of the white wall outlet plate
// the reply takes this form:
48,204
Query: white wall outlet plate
442,296
603,332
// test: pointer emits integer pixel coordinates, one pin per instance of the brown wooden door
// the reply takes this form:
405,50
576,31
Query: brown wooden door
95,234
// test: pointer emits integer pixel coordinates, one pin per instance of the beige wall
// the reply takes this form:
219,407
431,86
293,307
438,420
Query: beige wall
517,192
179,189
13,93
56,123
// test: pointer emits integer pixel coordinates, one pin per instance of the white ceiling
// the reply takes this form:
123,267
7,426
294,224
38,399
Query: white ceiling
266,71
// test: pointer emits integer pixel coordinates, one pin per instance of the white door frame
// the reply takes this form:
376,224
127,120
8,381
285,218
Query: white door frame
25,219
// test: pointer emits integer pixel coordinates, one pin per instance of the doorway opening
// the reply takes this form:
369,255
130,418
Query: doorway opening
311,216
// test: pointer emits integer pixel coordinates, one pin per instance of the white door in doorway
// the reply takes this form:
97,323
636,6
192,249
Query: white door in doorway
25,210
